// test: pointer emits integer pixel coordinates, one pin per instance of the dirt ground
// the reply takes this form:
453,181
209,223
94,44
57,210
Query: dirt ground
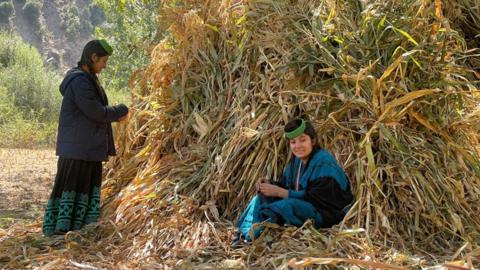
26,180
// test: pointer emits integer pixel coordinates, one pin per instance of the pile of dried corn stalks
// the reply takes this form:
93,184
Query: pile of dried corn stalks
389,87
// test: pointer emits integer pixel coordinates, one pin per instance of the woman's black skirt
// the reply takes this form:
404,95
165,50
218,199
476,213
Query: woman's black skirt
75,199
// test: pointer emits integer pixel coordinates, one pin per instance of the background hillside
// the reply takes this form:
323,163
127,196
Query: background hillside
57,28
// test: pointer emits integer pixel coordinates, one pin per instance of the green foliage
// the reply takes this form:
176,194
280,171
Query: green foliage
34,86
32,10
27,133
8,111
29,97
132,29
7,10
7,50
20,131
116,96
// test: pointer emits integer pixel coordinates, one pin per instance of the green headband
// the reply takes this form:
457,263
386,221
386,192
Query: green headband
106,46
296,132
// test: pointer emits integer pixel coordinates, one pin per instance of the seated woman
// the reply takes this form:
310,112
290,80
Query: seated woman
313,186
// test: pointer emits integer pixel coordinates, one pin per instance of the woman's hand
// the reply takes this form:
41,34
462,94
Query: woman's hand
126,117
272,190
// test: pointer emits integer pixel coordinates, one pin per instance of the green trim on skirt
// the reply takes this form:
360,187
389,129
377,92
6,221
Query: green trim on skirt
71,212
75,198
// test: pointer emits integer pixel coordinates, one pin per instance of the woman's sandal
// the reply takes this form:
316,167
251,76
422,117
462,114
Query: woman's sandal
239,242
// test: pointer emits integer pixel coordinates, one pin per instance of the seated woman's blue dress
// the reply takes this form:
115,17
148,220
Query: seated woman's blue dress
323,194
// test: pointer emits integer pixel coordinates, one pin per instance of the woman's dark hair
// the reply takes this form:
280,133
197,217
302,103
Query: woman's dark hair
92,47
309,129
100,48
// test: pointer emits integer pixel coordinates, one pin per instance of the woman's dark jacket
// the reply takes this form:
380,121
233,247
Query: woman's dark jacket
85,130
323,183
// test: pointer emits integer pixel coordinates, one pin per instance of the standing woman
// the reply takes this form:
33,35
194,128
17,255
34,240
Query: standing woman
84,140
313,187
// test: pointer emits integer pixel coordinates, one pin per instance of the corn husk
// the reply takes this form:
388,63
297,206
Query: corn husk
389,86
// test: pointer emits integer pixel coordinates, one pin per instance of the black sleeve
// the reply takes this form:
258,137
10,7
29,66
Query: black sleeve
85,98
325,193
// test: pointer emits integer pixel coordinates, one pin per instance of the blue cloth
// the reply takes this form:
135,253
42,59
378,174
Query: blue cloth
85,130
321,164
284,211
321,169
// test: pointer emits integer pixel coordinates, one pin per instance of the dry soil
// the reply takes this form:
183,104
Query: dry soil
26,180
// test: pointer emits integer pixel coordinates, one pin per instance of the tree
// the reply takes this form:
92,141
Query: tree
33,10
131,28
6,10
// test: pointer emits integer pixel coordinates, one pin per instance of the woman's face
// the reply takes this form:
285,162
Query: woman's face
301,146
99,63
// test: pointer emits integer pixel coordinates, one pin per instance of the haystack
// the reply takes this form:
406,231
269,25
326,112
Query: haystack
390,87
